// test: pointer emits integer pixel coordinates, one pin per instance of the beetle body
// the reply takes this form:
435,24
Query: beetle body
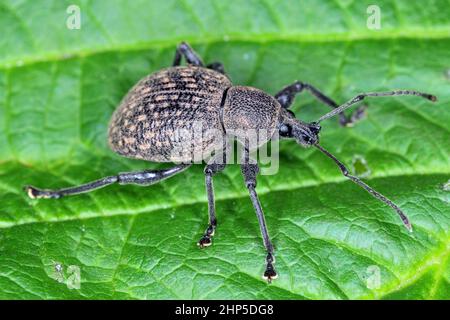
182,114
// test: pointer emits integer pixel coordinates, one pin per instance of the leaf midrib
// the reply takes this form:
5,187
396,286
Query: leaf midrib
440,33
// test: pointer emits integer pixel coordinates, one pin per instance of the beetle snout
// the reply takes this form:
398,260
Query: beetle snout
306,136
314,127
312,136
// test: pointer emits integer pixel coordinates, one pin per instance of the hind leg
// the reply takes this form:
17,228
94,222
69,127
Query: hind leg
143,178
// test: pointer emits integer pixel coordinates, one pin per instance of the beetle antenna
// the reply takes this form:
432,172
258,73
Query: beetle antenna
361,97
373,192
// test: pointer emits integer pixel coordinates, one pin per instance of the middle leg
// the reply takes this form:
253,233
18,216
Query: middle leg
250,171
210,171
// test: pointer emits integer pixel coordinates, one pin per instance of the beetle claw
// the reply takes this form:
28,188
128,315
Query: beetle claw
205,241
31,192
270,273
35,193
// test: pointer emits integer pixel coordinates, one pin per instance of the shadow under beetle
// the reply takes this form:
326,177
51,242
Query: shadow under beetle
158,106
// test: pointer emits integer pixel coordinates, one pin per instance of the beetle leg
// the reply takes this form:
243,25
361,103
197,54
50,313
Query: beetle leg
250,172
210,171
287,95
184,50
144,178
217,66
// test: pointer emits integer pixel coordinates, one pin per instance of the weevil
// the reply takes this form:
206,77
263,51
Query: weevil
147,123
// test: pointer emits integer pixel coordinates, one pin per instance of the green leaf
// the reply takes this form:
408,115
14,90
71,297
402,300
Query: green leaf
59,87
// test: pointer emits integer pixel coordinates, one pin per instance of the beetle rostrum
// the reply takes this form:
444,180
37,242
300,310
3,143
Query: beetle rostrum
156,119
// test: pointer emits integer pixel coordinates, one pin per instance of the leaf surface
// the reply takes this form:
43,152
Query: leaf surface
59,87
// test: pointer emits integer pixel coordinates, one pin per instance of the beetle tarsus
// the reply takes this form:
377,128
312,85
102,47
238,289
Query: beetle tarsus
270,273
206,240
357,115
35,193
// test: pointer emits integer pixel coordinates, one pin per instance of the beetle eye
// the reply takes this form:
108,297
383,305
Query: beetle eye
285,130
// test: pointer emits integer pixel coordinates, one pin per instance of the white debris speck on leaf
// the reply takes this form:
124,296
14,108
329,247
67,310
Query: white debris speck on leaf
58,267
83,228
218,270
58,274
447,73
172,216
68,56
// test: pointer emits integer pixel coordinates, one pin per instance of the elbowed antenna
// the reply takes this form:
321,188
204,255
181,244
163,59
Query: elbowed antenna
361,97
370,190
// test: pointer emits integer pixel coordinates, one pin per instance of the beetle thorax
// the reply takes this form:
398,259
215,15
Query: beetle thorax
250,115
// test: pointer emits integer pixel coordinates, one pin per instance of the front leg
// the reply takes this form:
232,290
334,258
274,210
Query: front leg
287,95
250,171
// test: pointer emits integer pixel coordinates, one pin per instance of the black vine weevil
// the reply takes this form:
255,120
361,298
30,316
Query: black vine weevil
156,119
